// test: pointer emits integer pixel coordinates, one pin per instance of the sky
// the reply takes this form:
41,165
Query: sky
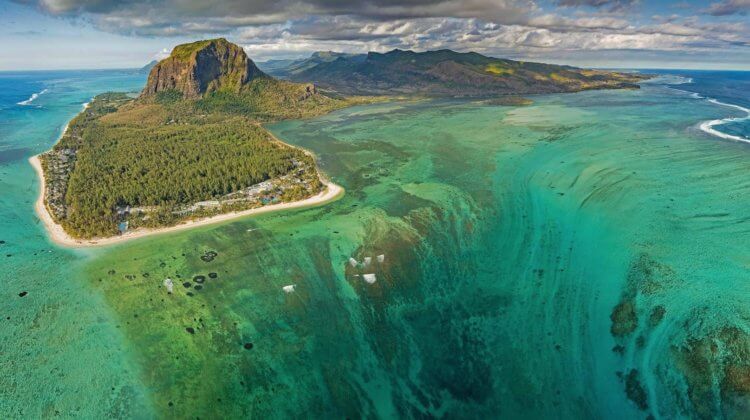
83,34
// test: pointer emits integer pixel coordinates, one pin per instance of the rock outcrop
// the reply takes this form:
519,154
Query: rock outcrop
202,67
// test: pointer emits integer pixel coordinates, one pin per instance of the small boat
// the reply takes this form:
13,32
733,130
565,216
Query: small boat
369,278
352,262
289,288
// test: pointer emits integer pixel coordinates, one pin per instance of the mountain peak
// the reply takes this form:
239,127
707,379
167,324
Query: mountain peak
201,67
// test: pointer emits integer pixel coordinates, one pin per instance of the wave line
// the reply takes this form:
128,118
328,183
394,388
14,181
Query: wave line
32,98
708,126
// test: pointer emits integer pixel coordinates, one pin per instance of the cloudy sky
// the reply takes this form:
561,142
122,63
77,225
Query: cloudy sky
58,34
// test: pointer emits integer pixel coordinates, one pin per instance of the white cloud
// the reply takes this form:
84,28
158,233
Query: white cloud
517,27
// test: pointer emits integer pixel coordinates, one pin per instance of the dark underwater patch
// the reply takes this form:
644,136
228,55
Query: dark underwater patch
12,155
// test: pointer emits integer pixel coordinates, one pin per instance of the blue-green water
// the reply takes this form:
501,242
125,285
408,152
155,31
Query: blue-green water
510,236
61,352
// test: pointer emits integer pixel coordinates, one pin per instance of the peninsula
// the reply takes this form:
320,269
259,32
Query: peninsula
189,150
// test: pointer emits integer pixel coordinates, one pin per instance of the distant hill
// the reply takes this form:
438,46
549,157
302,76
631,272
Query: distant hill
147,68
447,73
285,68
277,65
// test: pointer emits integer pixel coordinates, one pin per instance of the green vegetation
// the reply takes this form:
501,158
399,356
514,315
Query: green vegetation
184,51
498,68
124,165
448,73
168,97
267,99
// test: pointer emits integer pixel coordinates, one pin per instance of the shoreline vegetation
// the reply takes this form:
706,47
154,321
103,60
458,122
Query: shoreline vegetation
59,236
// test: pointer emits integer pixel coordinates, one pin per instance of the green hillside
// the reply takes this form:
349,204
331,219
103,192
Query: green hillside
449,73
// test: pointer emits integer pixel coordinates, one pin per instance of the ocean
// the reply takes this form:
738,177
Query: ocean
582,257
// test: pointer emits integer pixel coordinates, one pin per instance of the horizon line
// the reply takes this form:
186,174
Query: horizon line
259,61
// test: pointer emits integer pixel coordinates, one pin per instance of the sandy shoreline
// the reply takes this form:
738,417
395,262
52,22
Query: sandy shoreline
60,237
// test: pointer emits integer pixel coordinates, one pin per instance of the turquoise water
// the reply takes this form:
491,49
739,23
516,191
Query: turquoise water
61,351
513,238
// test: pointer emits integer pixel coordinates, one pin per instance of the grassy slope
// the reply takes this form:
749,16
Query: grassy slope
184,51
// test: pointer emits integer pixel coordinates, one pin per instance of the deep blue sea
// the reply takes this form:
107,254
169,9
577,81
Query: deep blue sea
727,88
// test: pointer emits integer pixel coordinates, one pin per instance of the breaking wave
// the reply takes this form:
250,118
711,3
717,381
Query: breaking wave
708,126
32,98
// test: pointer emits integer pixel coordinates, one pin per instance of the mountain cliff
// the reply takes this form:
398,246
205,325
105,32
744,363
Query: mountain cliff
203,67
449,73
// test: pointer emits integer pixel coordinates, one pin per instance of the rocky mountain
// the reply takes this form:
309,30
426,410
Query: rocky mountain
449,73
203,67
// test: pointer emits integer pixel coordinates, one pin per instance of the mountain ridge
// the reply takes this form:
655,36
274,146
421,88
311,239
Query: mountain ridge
449,73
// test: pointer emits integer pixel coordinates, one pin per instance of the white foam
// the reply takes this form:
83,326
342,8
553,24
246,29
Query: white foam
669,79
683,81
32,98
708,126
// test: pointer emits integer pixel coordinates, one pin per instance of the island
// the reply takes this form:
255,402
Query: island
191,148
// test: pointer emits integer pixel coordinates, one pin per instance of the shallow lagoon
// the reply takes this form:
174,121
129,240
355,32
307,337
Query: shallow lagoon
510,236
